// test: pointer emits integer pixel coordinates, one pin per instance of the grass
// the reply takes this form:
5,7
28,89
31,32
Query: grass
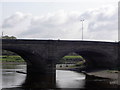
80,63
16,58
72,57
11,58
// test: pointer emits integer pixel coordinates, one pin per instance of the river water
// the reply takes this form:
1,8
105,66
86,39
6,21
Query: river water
64,78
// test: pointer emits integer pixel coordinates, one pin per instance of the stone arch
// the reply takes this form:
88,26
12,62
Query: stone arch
11,54
36,70
94,58
33,60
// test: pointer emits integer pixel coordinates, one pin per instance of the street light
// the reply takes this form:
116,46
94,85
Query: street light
82,27
2,34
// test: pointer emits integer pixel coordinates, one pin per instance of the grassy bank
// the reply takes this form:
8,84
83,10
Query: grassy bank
72,57
12,58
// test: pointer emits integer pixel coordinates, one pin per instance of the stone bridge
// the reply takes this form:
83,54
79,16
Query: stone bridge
42,55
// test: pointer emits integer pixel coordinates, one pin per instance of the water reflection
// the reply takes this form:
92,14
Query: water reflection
64,79
70,79
11,78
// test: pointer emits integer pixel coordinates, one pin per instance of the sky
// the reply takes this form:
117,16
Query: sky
60,19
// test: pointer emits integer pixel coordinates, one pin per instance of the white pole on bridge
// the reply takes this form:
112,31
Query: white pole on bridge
82,27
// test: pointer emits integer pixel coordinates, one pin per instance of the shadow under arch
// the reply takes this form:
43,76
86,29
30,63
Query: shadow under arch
14,63
71,61
95,59
12,57
30,57
37,76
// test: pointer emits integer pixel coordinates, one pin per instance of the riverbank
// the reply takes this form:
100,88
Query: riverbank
11,65
111,75
70,67
107,74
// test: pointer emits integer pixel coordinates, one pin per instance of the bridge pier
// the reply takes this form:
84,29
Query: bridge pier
44,77
40,54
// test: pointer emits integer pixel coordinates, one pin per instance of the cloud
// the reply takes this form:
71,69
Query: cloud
56,25
16,23
99,24
15,20
103,23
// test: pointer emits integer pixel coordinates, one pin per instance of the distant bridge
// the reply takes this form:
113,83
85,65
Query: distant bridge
42,55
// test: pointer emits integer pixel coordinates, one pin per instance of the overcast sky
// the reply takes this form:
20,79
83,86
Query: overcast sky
60,19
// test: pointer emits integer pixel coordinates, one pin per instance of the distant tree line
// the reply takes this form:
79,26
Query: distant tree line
5,52
8,37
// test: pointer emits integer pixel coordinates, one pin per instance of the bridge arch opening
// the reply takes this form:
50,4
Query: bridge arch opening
94,59
87,60
12,58
36,69
71,61
65,68
14,69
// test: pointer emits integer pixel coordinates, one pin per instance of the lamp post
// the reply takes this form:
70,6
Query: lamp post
82,27
2,34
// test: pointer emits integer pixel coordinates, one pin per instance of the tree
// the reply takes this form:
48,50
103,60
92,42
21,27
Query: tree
8,37
4,52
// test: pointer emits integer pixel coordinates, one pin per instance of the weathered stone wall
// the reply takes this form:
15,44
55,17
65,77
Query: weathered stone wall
42,55
41,52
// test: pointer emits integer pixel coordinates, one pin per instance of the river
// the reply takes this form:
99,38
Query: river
64,78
